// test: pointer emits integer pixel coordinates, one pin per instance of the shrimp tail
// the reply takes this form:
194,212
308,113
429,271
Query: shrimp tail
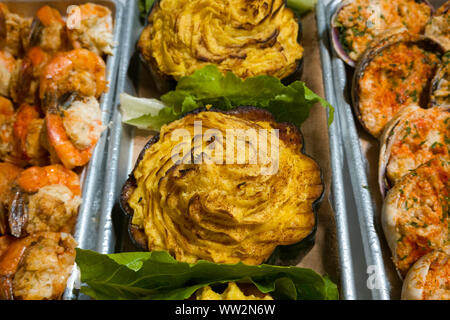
6,288
34,36
18,214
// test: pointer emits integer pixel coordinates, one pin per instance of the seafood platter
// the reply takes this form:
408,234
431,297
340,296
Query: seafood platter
224,150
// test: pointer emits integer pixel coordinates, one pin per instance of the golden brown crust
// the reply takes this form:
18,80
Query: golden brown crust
384,106
201,217
277,35
415,212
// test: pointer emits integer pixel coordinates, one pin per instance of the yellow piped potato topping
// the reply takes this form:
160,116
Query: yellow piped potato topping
248,38
232,292
224,213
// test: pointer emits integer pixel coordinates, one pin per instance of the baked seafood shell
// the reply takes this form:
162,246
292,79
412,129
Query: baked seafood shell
392,74
363,17
415,213
413,137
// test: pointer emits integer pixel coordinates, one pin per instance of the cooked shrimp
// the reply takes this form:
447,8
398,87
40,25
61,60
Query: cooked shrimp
74,132
20,135
80,71
25,78
7,66
90,26
7,119
47,31
11,28
35,178
13,251
5,241
36,267
28,129
52,208
45,199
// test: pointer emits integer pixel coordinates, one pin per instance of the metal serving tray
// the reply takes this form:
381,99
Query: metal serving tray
93,174
357,238
113,235
120,145
337,79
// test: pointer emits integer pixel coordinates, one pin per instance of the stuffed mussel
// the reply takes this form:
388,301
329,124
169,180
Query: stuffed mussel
247,38
213,199
393,73
357,23
413,137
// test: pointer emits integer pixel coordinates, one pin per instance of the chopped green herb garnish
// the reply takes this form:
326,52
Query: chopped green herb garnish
436,144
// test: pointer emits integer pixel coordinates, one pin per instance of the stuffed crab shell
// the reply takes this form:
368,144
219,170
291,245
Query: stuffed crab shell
412,138
429,278
394,73
205,205
415,211
248,38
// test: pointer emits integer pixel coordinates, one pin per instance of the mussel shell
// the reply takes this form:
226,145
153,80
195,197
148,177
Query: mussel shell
374,50
283,254
165,83
335,35
387,139
337,45
441,75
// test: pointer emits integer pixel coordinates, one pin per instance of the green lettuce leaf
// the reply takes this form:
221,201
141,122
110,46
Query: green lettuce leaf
144,8
301,6
208,86
156,275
